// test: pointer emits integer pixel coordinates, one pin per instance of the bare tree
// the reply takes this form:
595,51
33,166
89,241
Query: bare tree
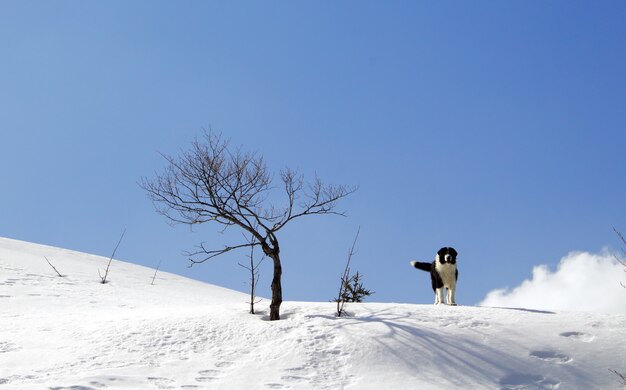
213,182
103,279
253,268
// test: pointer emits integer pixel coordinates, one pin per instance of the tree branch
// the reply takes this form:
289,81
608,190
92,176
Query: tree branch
214,253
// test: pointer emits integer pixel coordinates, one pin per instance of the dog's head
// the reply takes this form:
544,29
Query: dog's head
447,255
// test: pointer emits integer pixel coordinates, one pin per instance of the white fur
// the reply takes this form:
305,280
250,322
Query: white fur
447,272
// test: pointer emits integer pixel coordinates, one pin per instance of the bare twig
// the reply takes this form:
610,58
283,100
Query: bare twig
103,279
53,267
254,274
214,253
621,260
155,273
619,235
622,377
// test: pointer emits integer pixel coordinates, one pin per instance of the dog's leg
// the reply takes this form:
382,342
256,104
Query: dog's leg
451,298
439,296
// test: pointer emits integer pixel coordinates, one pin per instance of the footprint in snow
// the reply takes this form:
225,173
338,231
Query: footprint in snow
528,381
161,383
207,375
211,374
292,378
295,369
208,372
551,356
276,386
205,379
582,336
8,347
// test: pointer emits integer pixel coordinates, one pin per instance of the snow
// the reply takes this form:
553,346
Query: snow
73,332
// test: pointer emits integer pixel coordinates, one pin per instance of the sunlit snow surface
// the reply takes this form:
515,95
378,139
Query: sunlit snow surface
73,332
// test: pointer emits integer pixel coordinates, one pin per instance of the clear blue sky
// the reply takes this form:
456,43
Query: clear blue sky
498,128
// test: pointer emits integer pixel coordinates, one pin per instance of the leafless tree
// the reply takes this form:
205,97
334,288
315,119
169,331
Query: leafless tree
213,182
103,279
253,268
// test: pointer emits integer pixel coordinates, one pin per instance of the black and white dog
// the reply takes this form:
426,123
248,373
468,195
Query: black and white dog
443,274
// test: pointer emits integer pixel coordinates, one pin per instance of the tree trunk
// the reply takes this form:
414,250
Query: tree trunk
277,290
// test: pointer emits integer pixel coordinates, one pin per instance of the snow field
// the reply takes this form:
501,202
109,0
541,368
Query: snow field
75,333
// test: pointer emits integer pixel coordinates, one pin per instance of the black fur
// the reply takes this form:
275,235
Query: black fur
446,255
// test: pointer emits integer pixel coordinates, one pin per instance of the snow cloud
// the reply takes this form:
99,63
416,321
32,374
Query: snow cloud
582,281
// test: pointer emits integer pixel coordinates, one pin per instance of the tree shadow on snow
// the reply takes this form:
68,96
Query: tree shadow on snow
464,352
520,309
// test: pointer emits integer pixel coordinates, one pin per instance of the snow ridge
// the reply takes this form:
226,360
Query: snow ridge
72,332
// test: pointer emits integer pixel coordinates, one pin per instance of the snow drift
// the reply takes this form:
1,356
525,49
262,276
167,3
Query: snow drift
72,332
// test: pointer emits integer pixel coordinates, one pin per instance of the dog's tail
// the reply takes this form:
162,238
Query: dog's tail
423,266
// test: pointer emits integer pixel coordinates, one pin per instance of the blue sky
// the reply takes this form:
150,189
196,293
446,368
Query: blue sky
494,127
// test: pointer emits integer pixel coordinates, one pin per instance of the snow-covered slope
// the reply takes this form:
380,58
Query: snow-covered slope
75,333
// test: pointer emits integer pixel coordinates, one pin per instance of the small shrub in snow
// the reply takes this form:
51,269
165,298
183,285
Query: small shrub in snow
351,288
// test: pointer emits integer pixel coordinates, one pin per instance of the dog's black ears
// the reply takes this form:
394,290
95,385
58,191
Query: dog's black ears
447,251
